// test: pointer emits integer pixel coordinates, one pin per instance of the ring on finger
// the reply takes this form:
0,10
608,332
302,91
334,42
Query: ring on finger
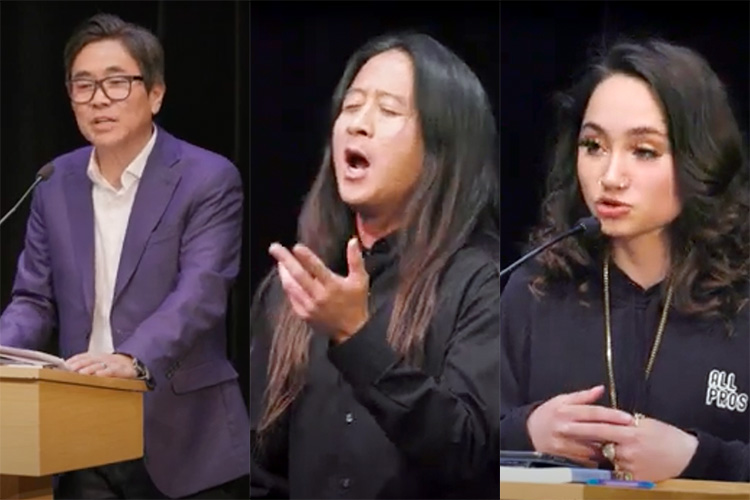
623,475
637,417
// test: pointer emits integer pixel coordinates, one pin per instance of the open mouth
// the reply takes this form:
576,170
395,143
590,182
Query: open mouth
100,120
355,159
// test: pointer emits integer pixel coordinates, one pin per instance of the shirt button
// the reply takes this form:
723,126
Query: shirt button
349,418
345,482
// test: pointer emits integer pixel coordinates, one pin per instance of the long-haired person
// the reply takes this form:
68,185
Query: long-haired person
631,348
375,353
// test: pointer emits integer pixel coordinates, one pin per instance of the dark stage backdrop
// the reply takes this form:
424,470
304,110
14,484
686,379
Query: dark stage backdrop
206,47
298,53
544,44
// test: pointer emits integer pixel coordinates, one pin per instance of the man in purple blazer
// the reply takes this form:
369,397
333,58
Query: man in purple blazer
131,249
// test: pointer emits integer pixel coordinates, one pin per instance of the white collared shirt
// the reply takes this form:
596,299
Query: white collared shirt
112,209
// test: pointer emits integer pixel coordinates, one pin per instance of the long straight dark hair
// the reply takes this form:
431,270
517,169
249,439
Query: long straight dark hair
455,194
711,236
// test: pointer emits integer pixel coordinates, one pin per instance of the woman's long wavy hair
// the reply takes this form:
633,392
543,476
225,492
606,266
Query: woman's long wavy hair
709,238
455,195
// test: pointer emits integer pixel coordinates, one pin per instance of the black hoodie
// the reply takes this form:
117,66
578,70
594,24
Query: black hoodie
699,382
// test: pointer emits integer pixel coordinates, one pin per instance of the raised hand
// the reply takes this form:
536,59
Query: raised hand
333,304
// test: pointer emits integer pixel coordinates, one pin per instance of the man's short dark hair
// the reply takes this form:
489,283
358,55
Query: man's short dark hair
141,44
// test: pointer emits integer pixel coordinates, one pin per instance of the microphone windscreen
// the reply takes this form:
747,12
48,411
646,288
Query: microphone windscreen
591,225
46,171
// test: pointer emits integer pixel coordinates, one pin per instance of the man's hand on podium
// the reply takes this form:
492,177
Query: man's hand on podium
102,365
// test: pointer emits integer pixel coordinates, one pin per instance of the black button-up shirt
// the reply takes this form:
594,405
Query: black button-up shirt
367,425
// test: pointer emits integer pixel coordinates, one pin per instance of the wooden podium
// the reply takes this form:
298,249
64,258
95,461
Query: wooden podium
54,421
673,489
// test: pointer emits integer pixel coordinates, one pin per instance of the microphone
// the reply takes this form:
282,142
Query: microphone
43,174
587,225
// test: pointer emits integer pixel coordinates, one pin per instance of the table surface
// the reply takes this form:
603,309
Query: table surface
683,489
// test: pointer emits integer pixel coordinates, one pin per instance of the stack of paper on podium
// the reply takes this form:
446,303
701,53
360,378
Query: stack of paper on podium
552,475
27,357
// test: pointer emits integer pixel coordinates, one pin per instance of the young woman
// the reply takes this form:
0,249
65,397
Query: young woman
631,347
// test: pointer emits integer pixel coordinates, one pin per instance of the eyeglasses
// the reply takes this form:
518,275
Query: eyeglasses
116,88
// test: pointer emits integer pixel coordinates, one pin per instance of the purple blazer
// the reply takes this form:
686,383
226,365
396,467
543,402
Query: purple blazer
180,256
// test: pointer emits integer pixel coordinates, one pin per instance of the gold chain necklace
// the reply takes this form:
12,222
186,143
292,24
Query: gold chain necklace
608,334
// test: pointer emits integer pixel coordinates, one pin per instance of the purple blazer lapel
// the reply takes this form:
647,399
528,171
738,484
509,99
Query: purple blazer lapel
155,189
81,220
